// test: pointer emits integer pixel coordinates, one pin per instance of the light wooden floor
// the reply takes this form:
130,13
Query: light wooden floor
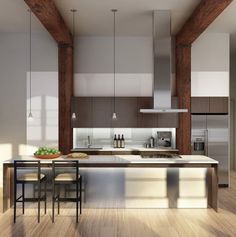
130,222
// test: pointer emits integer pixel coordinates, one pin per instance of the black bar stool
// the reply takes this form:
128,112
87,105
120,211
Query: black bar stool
31,175
71,176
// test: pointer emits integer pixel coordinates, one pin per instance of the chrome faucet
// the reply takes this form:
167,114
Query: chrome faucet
89,142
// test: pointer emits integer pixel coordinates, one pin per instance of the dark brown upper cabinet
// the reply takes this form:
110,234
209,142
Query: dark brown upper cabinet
199,105
126,111
83,108
209,105
169,120
102,112
218,105
97,112
160,120
146,120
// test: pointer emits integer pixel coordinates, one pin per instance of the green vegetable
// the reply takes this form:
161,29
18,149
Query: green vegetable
46,151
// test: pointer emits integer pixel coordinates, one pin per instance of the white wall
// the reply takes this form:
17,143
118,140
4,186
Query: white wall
95,55
14,48
94,66
43,129
13,65
210,65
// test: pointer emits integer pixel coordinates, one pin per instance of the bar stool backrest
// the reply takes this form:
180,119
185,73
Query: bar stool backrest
65,166
27,165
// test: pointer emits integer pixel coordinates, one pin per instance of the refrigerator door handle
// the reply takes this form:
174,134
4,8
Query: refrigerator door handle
206,142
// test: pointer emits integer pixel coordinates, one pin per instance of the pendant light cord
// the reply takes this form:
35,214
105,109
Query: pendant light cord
73,115
30,47
114,57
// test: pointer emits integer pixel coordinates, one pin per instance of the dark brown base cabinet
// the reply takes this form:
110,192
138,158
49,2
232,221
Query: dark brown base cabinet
209,105
96,112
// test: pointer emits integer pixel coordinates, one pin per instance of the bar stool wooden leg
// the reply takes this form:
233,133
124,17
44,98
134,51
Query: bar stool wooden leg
77,199
45,193
58,200
65,190
84,190
23,198
34,190
53,200
80,194
15,192
39,196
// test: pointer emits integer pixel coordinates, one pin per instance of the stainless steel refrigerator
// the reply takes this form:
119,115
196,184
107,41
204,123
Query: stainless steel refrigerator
210,137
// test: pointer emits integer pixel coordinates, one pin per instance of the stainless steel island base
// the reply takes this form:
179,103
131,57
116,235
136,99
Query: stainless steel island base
133,182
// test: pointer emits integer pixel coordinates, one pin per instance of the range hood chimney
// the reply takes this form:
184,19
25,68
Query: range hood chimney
162,50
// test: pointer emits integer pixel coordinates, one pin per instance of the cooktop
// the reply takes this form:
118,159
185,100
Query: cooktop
161,155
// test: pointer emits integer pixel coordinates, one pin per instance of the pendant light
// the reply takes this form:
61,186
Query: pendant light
30,115
114,116
73,116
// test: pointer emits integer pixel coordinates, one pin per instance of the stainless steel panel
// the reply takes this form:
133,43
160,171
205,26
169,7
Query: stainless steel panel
145,188
199,124
162,52
206,134
218,142
162,59
214,130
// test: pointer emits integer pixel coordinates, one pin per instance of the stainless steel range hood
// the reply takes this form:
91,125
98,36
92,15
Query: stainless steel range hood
162,50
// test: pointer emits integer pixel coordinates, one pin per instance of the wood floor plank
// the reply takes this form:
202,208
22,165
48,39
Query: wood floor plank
128,222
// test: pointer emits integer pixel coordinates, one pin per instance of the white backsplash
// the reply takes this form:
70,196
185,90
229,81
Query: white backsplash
103,137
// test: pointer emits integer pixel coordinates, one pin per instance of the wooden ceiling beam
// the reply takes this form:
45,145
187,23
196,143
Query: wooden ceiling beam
48,14
204,14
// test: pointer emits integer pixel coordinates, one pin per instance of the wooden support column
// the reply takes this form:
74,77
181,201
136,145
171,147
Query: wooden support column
203,15
65,64
183,78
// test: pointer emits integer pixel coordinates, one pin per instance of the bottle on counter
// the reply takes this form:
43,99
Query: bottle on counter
119,142
115,142
122,141
151,141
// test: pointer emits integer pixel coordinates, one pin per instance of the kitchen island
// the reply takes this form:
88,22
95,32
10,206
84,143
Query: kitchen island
130,181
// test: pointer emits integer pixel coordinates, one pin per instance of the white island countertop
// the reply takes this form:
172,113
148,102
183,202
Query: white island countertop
128,160
140,149
138,159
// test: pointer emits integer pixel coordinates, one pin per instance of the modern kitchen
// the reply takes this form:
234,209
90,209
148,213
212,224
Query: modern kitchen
117,118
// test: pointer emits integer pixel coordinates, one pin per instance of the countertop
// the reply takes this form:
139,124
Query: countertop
140,149
127,160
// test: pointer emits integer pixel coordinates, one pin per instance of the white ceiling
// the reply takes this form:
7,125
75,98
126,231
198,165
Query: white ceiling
95,18
134,17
